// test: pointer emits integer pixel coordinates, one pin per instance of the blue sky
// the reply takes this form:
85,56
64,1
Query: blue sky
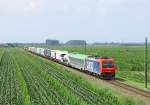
91,20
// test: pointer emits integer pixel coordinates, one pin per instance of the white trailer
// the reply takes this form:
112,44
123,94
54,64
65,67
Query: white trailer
40,51
60,55
32,49
66,59
53,54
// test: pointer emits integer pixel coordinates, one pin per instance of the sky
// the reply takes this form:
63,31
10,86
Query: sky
91,20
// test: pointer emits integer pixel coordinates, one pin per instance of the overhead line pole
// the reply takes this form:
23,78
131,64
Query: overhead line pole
146,61
85,48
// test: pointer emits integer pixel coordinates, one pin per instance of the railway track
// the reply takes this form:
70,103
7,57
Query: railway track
116,83
130,88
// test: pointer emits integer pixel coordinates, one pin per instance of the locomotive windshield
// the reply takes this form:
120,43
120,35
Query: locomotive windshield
107,64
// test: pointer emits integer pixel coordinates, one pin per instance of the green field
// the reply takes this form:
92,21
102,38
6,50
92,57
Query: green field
26,79
128,59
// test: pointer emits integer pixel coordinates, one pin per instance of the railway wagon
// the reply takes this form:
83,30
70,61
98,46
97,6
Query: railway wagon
53,54
60,55
47,52
66,59
25,48
29,48
77,60
32,49
40,51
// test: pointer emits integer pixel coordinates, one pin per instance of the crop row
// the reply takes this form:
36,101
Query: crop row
9,88
74,86
26,79
41,92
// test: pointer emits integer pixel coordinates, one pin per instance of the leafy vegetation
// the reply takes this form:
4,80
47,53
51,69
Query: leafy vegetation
128,59
31,80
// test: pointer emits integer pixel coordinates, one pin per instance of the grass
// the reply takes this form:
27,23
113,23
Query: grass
128,59
30,80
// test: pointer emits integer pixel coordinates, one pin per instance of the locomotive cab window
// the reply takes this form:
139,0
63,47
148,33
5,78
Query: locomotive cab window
107,64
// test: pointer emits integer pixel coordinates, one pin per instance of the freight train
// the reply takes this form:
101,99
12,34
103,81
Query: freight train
102,67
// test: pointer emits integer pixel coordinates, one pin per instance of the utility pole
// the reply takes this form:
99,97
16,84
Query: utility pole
146,61
85,47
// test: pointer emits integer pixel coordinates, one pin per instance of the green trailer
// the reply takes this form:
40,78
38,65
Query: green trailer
78,60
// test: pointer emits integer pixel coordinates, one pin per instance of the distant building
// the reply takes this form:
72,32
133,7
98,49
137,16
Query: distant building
76,42
52,42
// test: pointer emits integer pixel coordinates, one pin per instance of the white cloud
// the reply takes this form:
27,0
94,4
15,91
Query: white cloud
18,5
32,5
106,6
101,7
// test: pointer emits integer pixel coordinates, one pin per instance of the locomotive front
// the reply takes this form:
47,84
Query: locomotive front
108,68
